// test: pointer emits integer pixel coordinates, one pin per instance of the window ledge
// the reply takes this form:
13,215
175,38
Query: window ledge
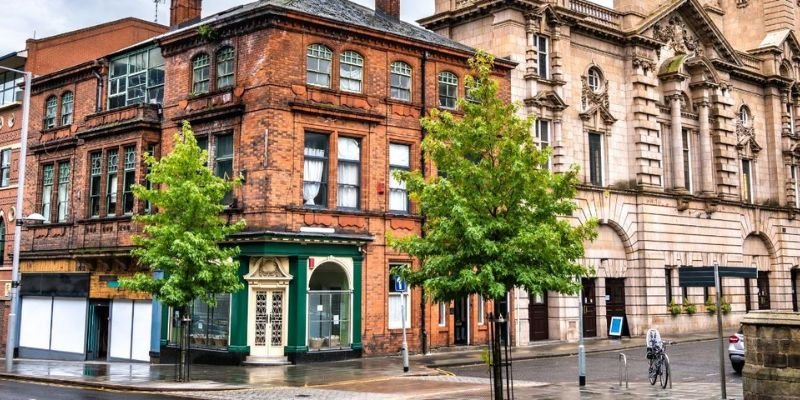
9,187
390,100
126,217
48,225
54,129
211,93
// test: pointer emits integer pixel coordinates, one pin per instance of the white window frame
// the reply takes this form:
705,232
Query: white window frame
594,79
480,309
396,164
148,78
352,80
399,89
796,185
443,314
543,50
790,111
319,53
405,297
543,144
448,82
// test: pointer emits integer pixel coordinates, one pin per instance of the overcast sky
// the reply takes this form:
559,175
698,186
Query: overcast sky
23,19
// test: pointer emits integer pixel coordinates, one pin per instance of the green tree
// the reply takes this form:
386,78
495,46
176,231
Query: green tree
495,218
182,237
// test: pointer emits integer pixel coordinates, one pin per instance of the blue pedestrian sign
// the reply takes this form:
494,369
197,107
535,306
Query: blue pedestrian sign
399,284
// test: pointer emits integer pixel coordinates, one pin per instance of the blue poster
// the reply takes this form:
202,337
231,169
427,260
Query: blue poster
615,329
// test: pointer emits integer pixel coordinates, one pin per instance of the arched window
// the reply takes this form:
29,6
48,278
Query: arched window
225,58
200,76
595,79
67,101
351,71
51,105
448,89
744,115
318,65
400,82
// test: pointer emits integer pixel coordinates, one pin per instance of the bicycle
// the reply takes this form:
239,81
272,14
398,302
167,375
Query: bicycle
659,366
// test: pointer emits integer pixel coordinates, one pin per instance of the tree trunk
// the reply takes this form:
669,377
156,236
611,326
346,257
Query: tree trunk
497,365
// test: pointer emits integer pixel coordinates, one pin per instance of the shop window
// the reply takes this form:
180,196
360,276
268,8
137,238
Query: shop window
329,308
210,324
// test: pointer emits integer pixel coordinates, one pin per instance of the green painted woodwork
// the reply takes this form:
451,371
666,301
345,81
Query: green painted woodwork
165,321
357,263
298,268
239,349
239,309
298,249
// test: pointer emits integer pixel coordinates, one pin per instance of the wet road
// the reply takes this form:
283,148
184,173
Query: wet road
691,362
15,390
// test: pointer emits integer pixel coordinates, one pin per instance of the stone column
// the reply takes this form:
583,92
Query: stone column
558,146
772,355
678,182
706,158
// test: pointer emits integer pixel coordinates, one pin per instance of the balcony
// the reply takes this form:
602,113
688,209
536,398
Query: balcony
593,12
121,120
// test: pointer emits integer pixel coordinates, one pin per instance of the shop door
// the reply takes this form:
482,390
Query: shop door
267,322
763,291
97,335
615,305
589,310
461,317
537,311
795,276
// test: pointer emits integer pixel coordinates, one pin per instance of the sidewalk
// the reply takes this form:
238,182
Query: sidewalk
368,378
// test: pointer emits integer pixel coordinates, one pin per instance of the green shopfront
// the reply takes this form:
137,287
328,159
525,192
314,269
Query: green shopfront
301,302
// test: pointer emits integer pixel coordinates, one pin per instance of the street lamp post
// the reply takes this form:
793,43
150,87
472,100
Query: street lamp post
11,338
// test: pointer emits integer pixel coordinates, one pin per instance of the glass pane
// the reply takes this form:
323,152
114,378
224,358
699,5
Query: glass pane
329,318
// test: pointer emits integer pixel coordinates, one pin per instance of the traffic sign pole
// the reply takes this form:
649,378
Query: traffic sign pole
719,332
405,343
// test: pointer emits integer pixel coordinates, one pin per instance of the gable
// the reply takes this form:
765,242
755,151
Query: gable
685,28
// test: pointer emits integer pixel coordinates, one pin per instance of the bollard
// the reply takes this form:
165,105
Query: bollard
623,361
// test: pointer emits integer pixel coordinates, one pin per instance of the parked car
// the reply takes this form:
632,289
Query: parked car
736,350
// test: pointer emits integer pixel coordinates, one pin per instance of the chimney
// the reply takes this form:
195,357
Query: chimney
390,8
183,11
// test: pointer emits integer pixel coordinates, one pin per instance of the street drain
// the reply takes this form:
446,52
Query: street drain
302,395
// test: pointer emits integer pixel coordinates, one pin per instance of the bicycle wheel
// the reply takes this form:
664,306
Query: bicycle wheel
652,372
665,372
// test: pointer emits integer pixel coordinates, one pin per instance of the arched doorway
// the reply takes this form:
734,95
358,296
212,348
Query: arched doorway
757,254
329,308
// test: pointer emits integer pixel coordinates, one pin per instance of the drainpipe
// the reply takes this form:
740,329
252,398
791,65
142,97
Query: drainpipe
424,334
99,95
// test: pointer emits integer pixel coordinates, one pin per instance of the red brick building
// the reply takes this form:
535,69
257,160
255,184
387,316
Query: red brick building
313,104
40,57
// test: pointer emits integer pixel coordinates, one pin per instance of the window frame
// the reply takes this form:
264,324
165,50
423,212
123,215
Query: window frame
119,82
790,114
594,78
442,314
95,182
480,309
356,61
404,295
449,82
686,145
5,167
668,284
543,144
2,240
226,159
795,171
348,162
543,55
50,112
398,167
112,181
47,195
128,180
323,182
596,171
319,52
744,115
67,108
221,61
201,74
62,192
405,75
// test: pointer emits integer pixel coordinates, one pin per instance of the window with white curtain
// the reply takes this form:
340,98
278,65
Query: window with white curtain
481,311
398,300
399,160
5,167
200,74
349,172
47,190
400,84
63,194
442,314
51,107
315,171
67,103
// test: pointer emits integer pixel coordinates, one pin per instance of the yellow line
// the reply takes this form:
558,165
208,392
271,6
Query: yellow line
385,378
443,372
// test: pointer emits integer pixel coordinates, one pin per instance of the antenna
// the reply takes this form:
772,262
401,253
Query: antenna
156,4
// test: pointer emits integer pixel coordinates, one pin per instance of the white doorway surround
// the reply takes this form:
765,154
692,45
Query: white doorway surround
267,319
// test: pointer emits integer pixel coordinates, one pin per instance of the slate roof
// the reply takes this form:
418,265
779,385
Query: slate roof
342,12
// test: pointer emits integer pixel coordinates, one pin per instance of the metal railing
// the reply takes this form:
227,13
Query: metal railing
623,363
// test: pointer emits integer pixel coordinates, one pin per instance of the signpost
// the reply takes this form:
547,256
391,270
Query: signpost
705,277
400,286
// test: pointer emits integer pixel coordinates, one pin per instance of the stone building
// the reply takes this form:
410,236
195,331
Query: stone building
682,116
44,56
313,104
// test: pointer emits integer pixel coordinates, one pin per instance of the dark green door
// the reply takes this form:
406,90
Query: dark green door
97,335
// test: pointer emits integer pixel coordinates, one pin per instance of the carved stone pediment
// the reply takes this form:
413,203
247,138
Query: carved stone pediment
746,139
268,269
548,99
676,36
600,111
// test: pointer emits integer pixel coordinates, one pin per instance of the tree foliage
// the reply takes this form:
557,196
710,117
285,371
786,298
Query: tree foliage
182,237
495,216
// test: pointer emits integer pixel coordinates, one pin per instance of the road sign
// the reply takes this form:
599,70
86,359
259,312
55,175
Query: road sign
704,276
399,284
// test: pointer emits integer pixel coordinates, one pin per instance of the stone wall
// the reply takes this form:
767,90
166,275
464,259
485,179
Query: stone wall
772,355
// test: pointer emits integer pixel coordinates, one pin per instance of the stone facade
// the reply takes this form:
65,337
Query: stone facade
683,121
772,356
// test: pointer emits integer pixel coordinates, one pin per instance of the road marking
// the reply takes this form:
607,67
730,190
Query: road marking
712,374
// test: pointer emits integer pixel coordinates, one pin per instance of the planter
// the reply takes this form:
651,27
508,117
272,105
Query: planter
333,341
315,343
